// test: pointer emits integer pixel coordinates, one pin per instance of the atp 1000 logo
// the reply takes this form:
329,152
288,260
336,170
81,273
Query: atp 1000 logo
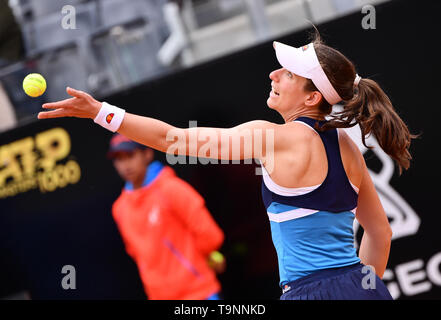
37,163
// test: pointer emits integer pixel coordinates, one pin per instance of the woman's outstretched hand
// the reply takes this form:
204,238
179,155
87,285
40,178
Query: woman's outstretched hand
81,105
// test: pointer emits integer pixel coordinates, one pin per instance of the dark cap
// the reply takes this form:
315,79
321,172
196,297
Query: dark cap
120,143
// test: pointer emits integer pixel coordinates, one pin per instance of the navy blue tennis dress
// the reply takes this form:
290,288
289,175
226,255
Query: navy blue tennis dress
312,231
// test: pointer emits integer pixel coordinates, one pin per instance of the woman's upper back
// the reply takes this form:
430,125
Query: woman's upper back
300,158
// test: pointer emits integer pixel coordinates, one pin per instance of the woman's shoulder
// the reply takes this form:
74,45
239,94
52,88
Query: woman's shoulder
349,146
352,158
296,133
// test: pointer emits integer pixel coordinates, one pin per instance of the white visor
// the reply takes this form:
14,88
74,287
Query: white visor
304,62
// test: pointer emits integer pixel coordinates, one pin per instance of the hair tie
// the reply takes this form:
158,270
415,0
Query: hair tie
357,80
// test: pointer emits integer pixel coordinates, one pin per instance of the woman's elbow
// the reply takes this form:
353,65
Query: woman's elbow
383,232
389,232
386,234
386,231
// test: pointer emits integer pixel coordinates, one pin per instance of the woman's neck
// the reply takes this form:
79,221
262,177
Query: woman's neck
310,113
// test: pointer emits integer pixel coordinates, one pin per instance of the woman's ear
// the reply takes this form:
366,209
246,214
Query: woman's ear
314,99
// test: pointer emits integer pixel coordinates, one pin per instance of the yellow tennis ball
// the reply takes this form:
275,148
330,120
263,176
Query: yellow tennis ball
217,256
34,85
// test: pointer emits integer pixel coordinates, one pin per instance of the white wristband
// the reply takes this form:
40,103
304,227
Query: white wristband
110,117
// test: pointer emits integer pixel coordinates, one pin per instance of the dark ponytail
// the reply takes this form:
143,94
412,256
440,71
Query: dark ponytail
365,104
372,109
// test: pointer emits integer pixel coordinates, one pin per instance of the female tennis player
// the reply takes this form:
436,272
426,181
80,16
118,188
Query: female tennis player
319,182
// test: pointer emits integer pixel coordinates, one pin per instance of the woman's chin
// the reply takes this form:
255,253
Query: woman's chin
270,104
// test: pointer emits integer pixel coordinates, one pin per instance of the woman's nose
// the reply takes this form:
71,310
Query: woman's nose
274,75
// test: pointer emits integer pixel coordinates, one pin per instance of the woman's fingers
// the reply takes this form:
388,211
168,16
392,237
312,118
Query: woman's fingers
59,104
58,113
76,93
82,105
